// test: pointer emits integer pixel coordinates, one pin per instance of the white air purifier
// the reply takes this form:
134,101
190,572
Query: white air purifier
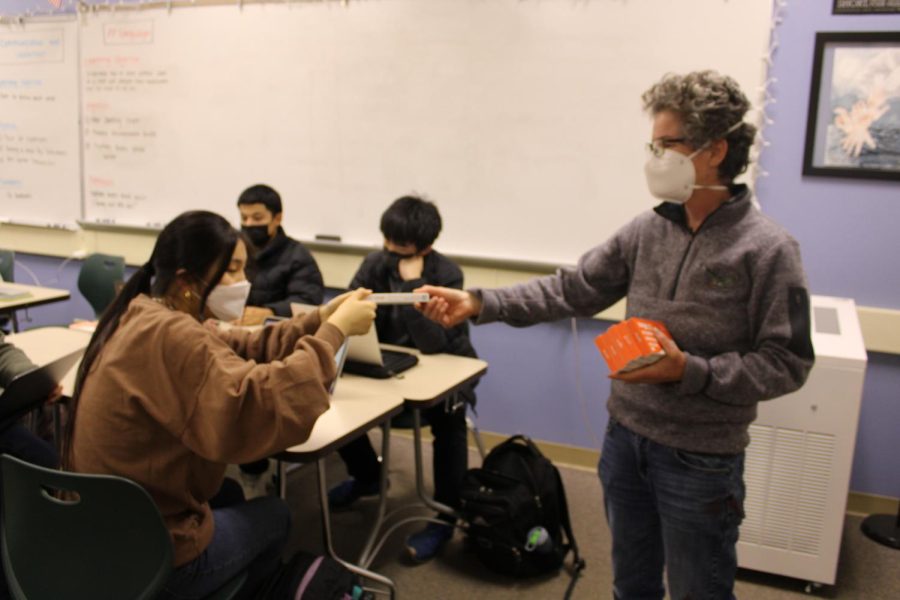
801,451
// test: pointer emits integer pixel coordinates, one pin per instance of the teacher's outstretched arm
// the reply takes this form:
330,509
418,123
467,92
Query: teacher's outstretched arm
449,306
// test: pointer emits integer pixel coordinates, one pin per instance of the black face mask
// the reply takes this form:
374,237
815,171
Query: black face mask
396,256
391,260
258,234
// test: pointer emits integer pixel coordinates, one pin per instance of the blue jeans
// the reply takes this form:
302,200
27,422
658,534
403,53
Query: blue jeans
674,509
248,536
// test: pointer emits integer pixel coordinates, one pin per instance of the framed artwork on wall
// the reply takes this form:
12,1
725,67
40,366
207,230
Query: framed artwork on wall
865,7
853,124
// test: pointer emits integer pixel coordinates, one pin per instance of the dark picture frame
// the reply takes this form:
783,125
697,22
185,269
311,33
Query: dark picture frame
864,7
853,122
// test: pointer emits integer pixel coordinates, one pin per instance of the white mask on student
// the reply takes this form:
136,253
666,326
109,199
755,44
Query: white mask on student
671,176
227,302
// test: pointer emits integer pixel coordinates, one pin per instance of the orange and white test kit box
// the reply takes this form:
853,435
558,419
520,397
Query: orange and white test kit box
631,344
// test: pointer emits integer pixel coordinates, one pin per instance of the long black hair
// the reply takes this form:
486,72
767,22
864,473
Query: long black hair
197,245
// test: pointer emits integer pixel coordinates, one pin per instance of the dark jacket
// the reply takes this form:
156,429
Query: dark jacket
403,324
284,272
12,362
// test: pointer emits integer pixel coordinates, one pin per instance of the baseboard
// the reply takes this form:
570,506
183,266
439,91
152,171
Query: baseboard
576,457
871,504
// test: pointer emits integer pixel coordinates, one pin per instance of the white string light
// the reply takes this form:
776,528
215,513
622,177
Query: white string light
766,96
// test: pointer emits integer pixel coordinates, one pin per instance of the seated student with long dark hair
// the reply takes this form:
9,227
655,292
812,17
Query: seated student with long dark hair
167,401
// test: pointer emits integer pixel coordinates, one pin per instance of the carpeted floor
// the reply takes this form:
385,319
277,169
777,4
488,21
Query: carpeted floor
866,571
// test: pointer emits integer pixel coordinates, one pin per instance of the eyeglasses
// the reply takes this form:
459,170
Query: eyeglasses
658,146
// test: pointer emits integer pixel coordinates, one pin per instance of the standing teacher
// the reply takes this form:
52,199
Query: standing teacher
729,285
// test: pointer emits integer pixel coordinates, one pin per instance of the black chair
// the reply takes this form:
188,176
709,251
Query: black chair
101,537
7,264
7,271
99,280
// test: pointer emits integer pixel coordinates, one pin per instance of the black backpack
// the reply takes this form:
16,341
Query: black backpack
516,512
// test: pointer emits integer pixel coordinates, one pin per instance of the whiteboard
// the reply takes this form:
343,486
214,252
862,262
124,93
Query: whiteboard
40,178
521,120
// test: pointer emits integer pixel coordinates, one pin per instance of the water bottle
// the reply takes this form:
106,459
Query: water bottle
538,540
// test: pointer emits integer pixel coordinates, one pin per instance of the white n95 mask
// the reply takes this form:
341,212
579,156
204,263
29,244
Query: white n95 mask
227,302
671,177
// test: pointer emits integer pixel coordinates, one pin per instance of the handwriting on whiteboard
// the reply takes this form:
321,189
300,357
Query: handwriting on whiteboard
22,48
128,34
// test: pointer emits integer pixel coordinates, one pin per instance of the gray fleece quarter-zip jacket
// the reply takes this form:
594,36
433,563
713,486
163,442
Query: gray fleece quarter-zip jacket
733,294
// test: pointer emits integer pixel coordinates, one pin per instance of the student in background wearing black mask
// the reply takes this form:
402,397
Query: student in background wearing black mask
410,226
281,271
284,270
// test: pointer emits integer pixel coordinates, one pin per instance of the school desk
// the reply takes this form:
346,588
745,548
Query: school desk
16,296
356,407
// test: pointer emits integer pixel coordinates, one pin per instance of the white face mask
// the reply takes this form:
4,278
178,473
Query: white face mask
671,176
227,302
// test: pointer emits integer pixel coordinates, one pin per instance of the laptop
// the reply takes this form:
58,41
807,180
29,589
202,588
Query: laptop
366,357
29,389
340,360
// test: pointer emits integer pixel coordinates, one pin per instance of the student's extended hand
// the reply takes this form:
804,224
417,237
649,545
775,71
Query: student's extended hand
255,315
353,315
448,306
668,369
326,310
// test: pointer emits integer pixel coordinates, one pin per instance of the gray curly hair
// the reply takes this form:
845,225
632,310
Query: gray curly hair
708,104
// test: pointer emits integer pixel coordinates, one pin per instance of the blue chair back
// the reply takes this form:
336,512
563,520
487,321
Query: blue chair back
99,279
7,265
71,535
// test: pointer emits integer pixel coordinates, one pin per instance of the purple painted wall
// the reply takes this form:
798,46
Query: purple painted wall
845,228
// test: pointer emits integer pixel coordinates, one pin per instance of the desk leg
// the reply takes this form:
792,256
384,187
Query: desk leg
282,479
420,476
365,559
326,534
57,426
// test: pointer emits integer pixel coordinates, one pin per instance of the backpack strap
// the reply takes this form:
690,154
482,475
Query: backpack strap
578,564
514,441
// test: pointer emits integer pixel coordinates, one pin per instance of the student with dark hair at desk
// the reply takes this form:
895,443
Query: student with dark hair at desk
283,270
167,400
16,440
410,225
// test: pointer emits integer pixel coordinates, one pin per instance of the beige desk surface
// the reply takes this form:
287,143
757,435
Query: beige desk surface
356,407
36,295
435,377
46,344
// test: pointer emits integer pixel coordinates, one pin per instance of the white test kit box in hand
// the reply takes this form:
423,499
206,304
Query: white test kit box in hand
398,298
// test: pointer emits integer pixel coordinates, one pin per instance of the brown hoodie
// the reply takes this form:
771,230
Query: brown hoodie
169,402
